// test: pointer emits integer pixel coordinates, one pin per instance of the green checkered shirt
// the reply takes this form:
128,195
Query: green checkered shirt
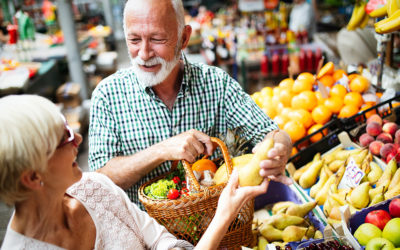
126,117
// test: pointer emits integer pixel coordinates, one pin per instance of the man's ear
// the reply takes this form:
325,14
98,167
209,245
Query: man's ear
187,31
30,179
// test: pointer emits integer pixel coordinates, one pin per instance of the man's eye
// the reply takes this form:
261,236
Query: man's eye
157,40
134,40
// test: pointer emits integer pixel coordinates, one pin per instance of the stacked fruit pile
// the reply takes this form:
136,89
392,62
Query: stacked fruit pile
289,223
382,138
376,185
302,106
381,228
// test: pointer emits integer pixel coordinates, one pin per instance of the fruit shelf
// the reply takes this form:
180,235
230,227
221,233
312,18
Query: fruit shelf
306,149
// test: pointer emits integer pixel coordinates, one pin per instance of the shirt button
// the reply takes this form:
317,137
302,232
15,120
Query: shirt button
174,131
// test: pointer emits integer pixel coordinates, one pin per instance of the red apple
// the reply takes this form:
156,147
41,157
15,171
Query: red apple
378,217
394,207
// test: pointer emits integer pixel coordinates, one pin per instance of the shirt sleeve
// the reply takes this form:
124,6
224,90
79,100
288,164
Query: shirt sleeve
243,113
103,136
155,235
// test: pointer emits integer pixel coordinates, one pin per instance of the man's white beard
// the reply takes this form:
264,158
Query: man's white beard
150,79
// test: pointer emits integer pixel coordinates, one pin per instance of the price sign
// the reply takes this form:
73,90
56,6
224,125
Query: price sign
251,5
352,176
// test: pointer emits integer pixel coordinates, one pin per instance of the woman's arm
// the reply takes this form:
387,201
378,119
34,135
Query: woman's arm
230,202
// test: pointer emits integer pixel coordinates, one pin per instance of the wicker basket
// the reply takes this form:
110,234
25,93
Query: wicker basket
189,216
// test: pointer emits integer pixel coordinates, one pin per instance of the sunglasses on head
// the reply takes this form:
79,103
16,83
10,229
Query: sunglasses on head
69,135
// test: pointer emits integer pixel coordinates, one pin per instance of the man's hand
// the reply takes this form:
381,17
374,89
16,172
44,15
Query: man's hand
274,167
186,146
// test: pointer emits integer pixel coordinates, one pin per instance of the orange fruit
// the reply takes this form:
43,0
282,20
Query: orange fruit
266,91
302,85
321,114
367,106
294,151
327,80
338,74
317,136
285,97
334,103
306,76
302,116
280,121
270,111
347,111
352,76
320,99
353,98
204,164
295,130
275,91
279,107
327,69
286,113
257,98
286,83
266,101
338,90
310,100
359,84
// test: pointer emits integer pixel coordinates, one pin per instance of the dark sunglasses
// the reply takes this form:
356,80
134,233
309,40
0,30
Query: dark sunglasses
69,135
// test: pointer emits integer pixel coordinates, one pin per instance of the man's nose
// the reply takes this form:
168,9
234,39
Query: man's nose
145,51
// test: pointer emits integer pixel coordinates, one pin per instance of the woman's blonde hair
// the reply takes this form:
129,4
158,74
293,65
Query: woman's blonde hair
31,128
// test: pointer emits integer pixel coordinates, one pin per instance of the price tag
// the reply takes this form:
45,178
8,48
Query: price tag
352,176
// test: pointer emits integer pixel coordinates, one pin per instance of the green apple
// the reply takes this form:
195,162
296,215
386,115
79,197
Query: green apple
392,231
367,231
379,244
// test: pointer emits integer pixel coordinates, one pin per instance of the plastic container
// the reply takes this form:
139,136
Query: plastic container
342,241
280,192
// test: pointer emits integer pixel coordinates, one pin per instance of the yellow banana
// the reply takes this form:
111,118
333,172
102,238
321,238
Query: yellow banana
395,15
357,16
381,12
392,6
392,24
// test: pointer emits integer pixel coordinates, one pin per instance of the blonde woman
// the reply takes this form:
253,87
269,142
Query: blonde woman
58,207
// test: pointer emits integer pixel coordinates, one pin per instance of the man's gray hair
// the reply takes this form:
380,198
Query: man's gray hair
179,12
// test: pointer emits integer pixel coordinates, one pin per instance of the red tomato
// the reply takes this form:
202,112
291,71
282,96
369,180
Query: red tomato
378,217
173,194
176,179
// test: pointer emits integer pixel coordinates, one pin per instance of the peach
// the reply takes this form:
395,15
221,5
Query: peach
390,128
365,139
375,118
397,137
384,137
373,129
375,147
386,149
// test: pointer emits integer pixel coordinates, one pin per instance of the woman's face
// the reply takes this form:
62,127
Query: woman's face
63,170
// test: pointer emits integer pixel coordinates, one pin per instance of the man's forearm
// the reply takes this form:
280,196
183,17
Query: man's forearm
125,171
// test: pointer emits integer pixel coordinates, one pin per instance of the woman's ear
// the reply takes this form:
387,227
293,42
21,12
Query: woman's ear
187,31
31,180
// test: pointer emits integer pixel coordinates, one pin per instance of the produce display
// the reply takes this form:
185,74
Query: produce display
322,176
381,228
382,138
289,222
303,105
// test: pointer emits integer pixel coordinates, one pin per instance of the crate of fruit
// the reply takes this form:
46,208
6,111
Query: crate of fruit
284,219
375,227
346,174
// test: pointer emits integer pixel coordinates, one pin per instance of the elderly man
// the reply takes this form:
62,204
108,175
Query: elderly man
165,108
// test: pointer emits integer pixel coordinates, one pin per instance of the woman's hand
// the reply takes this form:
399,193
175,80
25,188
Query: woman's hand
234,197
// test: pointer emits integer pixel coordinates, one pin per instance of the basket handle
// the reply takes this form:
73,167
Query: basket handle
228,163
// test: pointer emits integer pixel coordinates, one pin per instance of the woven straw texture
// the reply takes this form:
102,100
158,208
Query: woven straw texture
189,216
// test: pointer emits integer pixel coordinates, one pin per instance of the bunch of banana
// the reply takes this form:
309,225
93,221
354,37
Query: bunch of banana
288,223
392,22
359,18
